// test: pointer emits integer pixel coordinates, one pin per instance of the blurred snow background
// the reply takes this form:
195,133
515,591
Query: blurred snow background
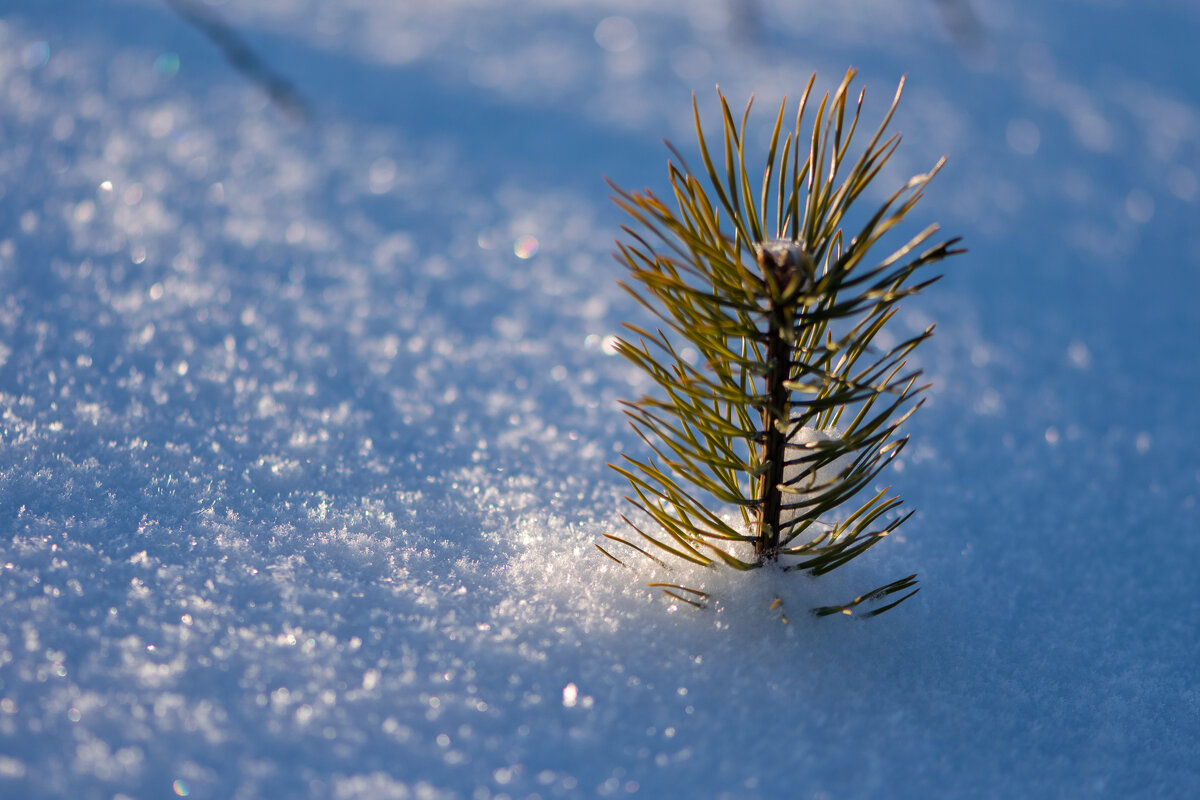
304,418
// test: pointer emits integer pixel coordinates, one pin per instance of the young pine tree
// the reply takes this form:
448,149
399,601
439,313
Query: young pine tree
778,400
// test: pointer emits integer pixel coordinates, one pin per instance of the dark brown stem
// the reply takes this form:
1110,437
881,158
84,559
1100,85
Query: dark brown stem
783,265
774,416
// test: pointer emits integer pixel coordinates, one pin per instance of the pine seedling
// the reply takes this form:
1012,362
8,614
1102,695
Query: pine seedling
778,400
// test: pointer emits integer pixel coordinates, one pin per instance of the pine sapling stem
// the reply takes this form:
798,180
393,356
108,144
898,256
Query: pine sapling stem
779,268
766,542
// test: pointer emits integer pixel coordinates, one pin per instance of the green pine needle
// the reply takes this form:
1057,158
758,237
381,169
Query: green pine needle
774,397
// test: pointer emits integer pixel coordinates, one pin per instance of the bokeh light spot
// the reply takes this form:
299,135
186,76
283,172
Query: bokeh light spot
167,64
1139,205
1024,137
616,34
37,55
526,246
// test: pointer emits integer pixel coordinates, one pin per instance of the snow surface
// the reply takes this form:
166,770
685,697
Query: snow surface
305,419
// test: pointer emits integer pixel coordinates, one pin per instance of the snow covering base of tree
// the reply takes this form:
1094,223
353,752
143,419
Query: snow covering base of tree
303,424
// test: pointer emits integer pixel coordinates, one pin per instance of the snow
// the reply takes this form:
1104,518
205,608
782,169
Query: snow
304,419
808,487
